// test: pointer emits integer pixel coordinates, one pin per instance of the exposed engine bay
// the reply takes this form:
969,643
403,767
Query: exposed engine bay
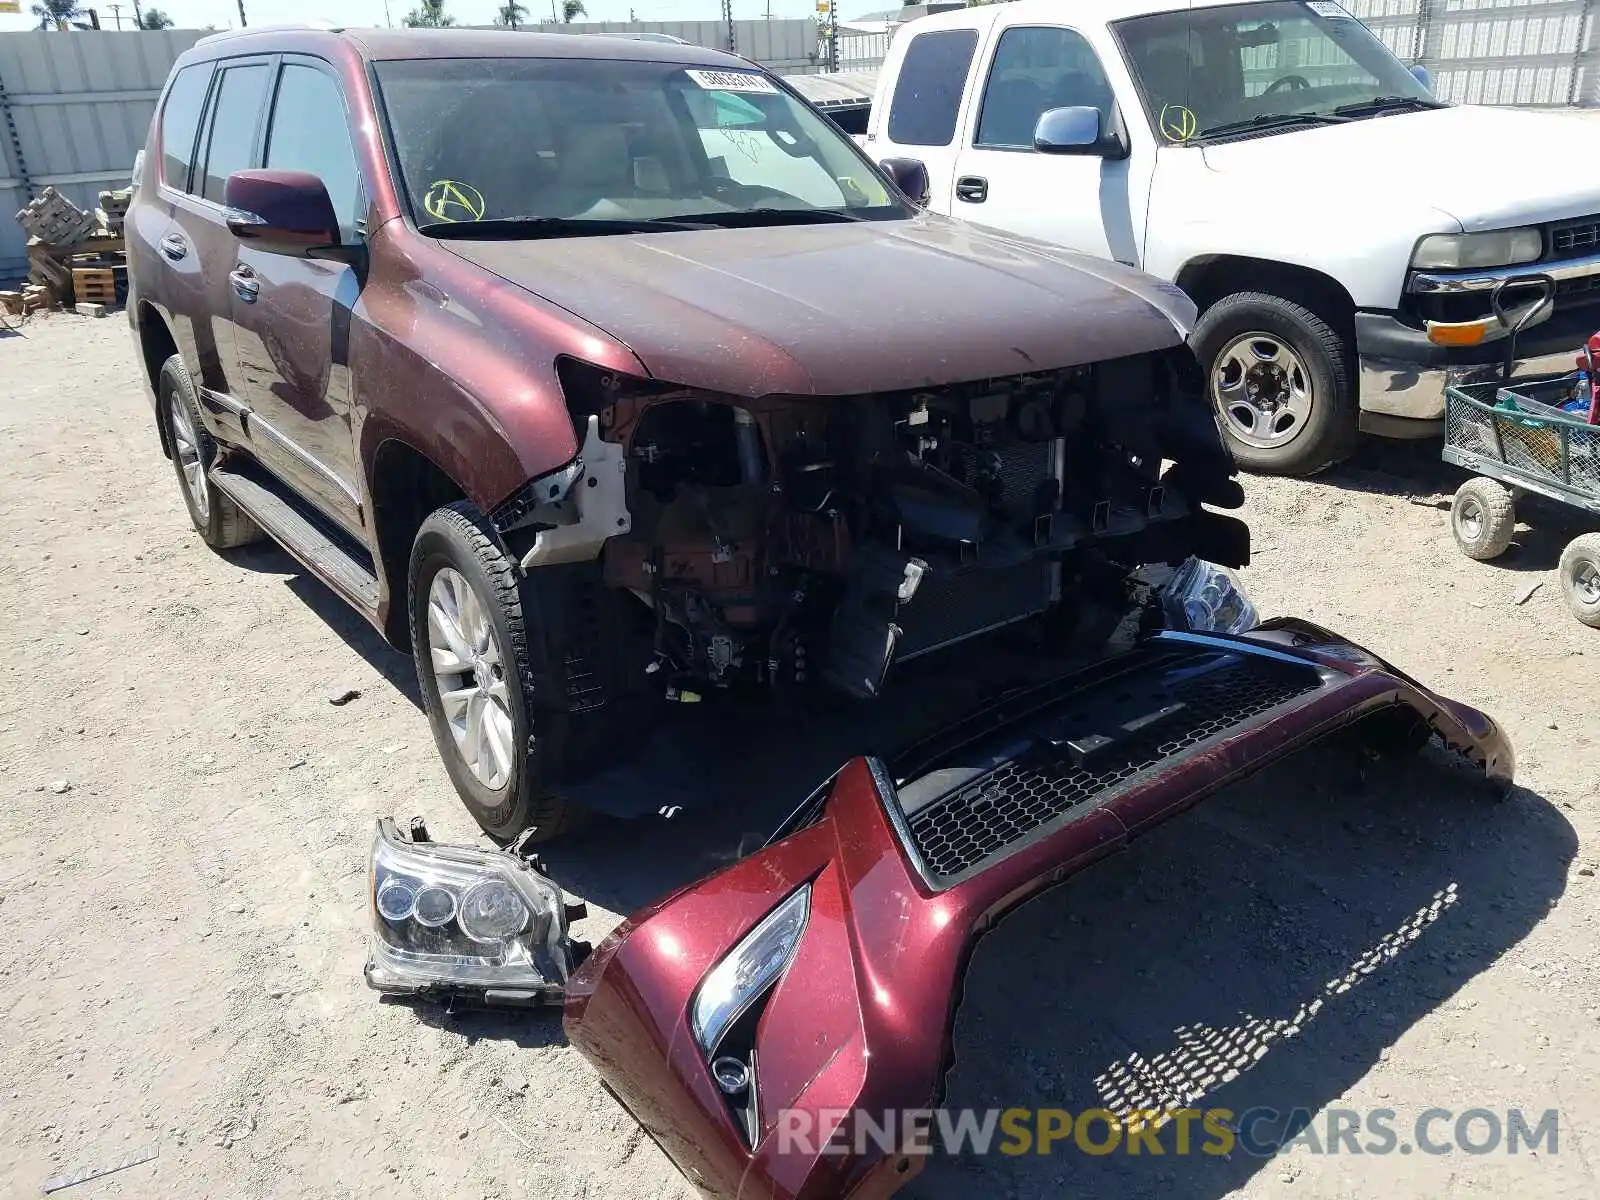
786,541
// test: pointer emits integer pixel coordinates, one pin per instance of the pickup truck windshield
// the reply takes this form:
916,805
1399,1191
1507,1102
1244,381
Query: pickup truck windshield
1281,64
560,147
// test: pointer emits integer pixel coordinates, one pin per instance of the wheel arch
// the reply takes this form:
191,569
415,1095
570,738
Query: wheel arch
1208,278
405,486
156,345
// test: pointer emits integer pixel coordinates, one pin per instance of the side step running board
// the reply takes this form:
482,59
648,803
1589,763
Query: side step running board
326,552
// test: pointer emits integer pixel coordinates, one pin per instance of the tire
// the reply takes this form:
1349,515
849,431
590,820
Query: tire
502,775
1579,572
1483,518
220,522
1315,422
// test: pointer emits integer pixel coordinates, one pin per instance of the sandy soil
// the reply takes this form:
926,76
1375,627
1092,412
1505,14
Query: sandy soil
188,821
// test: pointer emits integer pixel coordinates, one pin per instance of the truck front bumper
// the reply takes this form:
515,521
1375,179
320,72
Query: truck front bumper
1403,374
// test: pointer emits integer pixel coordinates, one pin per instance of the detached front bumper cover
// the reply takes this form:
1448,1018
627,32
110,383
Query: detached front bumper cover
905,865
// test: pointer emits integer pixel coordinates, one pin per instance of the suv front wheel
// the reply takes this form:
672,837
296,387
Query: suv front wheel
482,671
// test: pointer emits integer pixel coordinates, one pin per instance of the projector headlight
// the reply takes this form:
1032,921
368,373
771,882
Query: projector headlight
1205,598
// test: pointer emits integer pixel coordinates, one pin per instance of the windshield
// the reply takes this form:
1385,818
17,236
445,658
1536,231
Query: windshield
1204,69
597,146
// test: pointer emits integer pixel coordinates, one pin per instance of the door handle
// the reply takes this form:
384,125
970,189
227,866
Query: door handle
174,247
974,189
245,285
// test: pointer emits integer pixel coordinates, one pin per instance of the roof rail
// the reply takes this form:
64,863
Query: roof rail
321,25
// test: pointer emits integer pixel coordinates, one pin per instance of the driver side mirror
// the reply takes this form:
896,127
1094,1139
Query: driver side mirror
284,212
1078,129
910,175
1423,76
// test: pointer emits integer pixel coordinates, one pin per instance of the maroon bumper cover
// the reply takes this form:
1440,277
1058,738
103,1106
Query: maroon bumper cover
908,864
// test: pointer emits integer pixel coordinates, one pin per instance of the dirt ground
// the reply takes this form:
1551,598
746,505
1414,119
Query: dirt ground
188,818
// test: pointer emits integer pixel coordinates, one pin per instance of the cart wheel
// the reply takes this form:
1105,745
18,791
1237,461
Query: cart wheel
1580,578
1483,518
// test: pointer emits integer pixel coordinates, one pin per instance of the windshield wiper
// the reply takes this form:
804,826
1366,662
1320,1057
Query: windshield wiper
1383,104
540,227
745,218
1269,121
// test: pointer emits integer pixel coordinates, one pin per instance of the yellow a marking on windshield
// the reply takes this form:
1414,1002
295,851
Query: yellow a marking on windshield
448,200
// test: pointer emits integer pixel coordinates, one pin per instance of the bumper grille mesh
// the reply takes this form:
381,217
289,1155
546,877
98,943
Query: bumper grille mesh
966,828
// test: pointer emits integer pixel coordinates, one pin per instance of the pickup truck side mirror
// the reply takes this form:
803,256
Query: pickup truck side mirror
910,175
1078,129
283,212
1423,76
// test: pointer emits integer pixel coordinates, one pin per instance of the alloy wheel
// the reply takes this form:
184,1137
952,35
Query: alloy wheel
469,672
187,447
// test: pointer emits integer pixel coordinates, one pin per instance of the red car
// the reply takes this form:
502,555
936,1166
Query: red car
762,1023
607,375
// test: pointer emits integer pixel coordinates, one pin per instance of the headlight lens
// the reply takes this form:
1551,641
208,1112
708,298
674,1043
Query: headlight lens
749,969
446,916
1205,598
1463,251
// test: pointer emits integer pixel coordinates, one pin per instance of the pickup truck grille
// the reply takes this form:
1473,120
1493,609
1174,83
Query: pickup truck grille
964,830
1574,238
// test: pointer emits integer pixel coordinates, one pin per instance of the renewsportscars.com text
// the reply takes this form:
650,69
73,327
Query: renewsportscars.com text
1219,1132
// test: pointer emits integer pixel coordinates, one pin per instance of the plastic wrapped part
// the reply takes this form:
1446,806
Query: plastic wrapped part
462,922
1205,598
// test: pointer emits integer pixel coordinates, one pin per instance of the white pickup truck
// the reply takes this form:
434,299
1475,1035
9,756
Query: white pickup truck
1351,243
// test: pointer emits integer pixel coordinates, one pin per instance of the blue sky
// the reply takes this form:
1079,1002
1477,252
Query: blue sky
193,14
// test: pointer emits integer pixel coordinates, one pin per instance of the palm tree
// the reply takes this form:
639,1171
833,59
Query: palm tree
154,18
572,8
430,16
52,13
511,14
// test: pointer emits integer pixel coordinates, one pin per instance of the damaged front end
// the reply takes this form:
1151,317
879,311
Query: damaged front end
792,540
747,1021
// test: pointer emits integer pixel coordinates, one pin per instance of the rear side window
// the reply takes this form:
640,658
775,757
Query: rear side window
180,121
235,115
927,95
311,132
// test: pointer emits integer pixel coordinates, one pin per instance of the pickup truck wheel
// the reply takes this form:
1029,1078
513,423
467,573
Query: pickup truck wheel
1279,380
480,669
218,520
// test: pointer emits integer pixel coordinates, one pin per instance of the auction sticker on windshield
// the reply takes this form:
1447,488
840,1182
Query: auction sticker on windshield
732,81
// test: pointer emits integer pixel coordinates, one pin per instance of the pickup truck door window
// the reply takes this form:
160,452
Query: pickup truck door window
293,314
1081,201
925,109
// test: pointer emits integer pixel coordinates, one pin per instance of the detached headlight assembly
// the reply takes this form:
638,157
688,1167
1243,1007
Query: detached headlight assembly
1205,598
466,923
748,970
1465,251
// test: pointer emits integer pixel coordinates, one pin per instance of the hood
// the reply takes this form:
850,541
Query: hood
1485,167
840,308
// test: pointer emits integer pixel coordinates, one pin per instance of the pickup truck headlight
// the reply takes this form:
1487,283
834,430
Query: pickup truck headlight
748,970
1205,598
461,921
1464,251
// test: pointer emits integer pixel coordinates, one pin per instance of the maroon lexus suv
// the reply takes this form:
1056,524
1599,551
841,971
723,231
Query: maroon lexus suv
608,375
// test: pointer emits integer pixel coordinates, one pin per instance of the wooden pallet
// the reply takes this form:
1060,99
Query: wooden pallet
94,285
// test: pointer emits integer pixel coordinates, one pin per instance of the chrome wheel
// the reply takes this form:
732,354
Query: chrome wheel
187,448
1470,519
1262,390
470,674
